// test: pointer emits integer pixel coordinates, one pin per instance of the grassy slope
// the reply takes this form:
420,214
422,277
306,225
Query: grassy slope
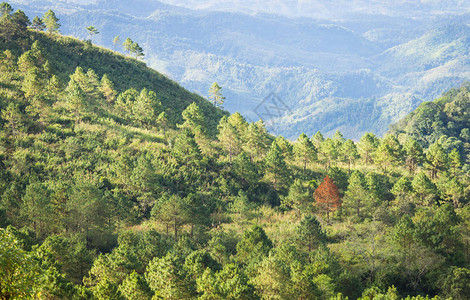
66,53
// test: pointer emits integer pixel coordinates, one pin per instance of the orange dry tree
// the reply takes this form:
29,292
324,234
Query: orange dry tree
327,197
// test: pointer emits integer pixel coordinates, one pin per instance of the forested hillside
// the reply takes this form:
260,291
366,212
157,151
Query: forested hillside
445,120
115,183
339,66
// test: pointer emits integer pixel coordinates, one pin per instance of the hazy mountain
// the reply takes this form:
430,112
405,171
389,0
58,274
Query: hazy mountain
357,71
330,9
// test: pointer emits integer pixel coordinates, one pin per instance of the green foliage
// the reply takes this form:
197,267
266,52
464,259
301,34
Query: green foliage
132,47
310,234
216,97
168,279
254,245
304,150
436,159
38,24
229,138
424,188
275,167
51,21
414,154
194,120
389,152
229,283
447,116
17,270
357,199
367,147
299,198
135,287
92,31
457,283
115,201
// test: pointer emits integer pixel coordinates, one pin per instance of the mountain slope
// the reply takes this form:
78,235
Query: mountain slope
446,119
387,63
102,198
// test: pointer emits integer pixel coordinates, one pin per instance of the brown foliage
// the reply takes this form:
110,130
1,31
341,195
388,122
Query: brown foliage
327,196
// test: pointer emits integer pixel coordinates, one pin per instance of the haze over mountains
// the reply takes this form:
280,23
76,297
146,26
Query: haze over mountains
352,66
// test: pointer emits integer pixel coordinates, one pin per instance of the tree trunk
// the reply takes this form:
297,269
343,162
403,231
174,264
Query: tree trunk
176,231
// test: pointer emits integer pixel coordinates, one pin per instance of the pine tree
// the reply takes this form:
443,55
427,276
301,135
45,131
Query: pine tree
32,85
402,187
239,122
327,197
423,187
255,140
215,92
7,62
172,210
286,148
310,233
12,26
349,152
167,277
128,45
51,21
276,167
298,198
20,20
329,152
436,159
357,195
116,41
242,208
245,170
145,108
135,287
389,152
36,207
404,235
38,24
228,138
92,31
451,189
194,119
253,246
162,121
367,146
107,89
5,9
186,149
455,161
318,139
338,140
53,87
137,50
75,99
414,154
14,118
304,151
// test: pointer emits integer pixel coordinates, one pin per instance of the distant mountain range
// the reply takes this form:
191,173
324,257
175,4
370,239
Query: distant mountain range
356,72
325,9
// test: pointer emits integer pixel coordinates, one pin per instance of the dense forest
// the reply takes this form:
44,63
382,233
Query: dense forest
116,183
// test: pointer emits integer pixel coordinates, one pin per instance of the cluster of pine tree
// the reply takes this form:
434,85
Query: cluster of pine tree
115,187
